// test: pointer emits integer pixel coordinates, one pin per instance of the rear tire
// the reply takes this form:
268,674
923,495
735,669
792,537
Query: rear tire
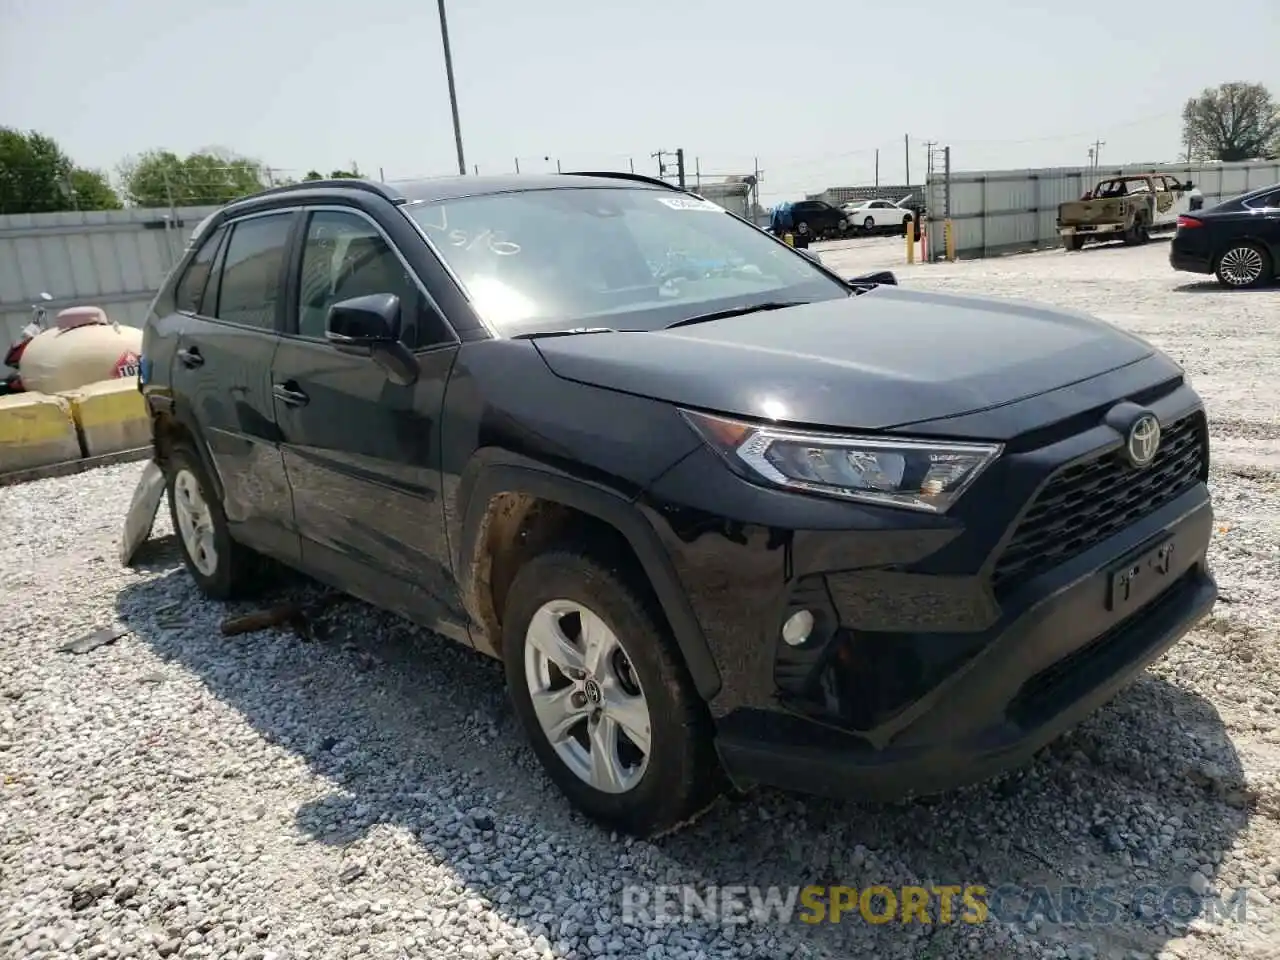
1138,233
580,609
869,224
1244,266
221,568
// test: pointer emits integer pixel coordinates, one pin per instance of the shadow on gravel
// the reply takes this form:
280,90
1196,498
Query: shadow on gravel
1125,808
1212,286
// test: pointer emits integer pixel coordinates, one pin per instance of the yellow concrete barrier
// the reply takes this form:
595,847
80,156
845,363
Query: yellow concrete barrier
35,431
110,415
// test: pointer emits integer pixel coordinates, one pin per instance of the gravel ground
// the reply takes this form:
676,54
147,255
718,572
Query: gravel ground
178,793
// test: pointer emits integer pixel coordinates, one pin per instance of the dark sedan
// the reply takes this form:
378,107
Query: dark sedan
1238,240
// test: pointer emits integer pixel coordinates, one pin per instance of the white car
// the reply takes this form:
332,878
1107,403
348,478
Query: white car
876,214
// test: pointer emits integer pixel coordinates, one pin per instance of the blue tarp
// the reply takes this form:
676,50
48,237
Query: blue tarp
780,219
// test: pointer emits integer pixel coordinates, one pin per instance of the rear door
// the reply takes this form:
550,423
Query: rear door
221,374
362,452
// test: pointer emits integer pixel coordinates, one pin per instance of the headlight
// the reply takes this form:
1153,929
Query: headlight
915,474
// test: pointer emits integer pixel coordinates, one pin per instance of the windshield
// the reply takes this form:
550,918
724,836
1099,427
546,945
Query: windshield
537,261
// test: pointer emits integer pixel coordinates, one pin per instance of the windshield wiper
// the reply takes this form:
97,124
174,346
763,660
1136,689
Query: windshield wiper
737,312
539,334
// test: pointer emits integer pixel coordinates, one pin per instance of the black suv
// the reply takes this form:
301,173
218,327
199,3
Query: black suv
716,509
818,220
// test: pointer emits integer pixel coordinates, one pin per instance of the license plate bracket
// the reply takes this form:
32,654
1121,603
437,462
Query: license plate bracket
1141,577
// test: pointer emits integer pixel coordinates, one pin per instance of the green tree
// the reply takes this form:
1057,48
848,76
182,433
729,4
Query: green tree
159,178
1235,121
92,191
36,176
334,175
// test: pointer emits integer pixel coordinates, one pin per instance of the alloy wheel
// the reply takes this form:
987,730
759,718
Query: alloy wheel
586,696
1241,266
195,522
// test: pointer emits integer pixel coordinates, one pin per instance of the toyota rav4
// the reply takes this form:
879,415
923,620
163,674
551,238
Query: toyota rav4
725,516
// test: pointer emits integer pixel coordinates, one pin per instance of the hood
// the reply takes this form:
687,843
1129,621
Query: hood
887,358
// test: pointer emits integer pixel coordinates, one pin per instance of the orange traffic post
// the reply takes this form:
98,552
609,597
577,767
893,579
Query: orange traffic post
910,234
951,241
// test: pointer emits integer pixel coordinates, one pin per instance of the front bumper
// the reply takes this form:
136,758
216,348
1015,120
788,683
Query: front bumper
1063,658
944,648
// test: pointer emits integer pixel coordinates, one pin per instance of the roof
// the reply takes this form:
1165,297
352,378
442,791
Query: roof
452,188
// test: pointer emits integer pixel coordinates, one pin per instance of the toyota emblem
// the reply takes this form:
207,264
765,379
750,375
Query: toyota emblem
1143,441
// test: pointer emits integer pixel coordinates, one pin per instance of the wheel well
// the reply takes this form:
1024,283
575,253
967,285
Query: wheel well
167,432
519,526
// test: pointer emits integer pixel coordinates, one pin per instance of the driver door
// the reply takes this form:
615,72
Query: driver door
1166,205
361,451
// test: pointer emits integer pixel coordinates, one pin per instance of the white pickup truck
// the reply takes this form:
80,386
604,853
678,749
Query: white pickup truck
1126,208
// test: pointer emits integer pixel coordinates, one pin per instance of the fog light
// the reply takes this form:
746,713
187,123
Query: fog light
797,628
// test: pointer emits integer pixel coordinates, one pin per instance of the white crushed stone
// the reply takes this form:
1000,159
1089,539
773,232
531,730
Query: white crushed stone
182,794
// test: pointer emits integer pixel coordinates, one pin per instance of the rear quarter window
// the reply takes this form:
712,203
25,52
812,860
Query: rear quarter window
189,290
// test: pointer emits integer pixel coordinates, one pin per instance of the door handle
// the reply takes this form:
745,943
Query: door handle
190,357
288,395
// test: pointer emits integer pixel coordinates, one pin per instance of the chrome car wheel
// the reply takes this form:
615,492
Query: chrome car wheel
195,522
1241,266
586,696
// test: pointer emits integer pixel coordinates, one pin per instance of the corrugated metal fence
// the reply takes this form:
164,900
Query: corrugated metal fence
114,259
1007,211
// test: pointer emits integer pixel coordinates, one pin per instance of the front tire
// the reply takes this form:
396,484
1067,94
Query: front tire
1243,266
607,705
220,567
869,224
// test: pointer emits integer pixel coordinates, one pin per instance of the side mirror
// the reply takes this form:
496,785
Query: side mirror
357,325
882,277
370,327
1188,186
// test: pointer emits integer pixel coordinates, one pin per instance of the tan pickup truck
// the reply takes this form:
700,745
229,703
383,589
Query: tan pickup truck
1126,208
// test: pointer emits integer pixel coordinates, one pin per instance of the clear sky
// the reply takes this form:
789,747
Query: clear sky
810,88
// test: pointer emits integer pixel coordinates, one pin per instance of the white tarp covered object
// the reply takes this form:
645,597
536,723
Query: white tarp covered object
80,347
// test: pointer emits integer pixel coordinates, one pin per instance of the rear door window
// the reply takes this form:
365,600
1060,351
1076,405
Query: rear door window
249,291
1268,201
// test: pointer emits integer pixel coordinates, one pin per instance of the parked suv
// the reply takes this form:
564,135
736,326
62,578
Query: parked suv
818,220
717,510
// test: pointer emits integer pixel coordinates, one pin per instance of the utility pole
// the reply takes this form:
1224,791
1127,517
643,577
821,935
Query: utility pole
453,92
877,168
697,173
1096,153
906,146
755,188
663,166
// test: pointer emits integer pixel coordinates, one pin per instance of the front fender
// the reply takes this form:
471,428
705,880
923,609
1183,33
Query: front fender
495,471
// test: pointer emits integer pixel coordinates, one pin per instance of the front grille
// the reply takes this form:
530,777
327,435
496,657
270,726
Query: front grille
1087,502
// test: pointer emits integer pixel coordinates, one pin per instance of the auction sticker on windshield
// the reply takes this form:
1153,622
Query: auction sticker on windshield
690,203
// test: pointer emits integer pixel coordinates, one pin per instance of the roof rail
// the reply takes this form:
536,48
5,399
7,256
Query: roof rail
351,183
620,175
